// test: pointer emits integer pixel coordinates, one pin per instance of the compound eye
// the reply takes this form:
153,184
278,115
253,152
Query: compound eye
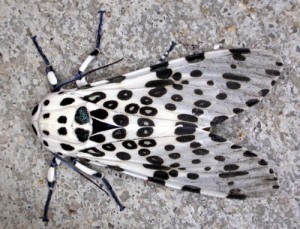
82,116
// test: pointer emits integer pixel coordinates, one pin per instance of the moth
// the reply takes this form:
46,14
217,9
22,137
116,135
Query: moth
154,123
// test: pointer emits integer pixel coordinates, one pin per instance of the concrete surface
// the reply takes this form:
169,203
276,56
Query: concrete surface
140,31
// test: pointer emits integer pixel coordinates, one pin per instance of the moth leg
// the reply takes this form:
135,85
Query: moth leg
81,82
96,174
51,179
166,54
49,70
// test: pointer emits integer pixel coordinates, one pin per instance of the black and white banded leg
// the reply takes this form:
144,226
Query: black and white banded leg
49,69
81,82
96,174
166,54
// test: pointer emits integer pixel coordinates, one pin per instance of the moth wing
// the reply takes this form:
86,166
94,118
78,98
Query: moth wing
204,89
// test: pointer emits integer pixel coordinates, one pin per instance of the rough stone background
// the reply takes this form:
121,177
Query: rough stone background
140,31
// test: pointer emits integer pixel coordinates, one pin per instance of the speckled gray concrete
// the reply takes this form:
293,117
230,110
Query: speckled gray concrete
140,31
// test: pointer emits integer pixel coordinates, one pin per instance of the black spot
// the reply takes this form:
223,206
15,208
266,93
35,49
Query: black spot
185,82
219,158
173,173
93,151
160,66
45,143
216,138
144,152
233,85
62,119
271,171
124,95
184,130
176,98
231,76
132,108
236,147
145,122
163,73
123,156
263,162
195,58
144,132
157,83
170,107
233,174
177,76
169,147
109,147
202,103
272,72
231,167
187,118
155,167
210,83
200,152
67,147
237,110
221,96
191,188
279,63
116,79
198,92
121,120
196,73
82,115
147,143
252,102
157,91
111,104
273,82
233,66
94,97
192,176
236,196
47,115
46,132
275,186
155,160
230,183
187,124
99,113
119,134
197,111
174,155
148,111
249,154
218,120
196,161
177,86
67,101
98,138
207,168
156,180
129,144
46,102
117,168
35,110
99,126
195,145
161,175
62,131
185,138
264,92
175,165
239,50
146,100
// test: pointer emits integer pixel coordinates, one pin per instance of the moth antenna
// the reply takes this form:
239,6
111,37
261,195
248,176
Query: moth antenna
166,54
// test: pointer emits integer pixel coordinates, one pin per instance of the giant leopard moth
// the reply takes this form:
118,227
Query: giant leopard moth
154,123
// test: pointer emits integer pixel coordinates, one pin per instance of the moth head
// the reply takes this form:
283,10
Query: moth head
61,122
